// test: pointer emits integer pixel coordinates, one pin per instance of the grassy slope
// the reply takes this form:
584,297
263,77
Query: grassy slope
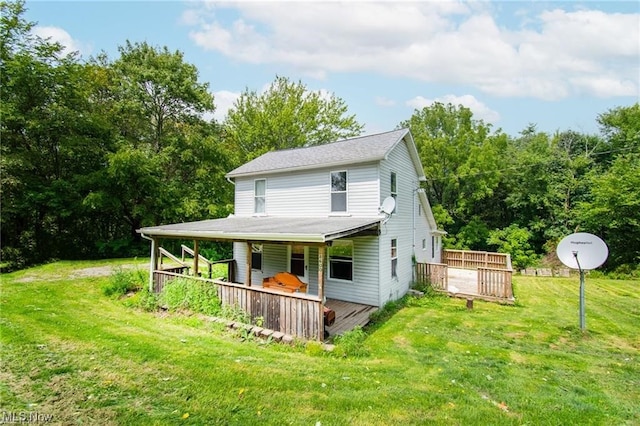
71,352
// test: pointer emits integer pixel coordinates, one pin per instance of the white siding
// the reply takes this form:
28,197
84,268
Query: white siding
308,193
400,226
364,288
423,232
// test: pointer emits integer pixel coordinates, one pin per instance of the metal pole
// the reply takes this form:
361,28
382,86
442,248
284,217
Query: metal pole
583,325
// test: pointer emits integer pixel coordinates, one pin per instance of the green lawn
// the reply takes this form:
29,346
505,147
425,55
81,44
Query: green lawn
71,352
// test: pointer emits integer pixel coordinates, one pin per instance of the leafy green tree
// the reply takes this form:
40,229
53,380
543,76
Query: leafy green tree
462,160
613,210
167,165
514,240
51,138
286,115
620,128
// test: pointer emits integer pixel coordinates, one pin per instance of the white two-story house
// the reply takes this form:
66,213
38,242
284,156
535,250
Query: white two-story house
317,212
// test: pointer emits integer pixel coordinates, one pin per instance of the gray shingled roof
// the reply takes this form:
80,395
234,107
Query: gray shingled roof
266,228
361,149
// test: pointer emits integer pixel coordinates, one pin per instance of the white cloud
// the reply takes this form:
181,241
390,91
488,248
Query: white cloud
224,101
551,55
479,109
58,35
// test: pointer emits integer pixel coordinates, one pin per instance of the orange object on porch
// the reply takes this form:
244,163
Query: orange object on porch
285,281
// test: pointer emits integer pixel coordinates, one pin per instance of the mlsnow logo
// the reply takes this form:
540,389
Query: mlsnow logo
23,417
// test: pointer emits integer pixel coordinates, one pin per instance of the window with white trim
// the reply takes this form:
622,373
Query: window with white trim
394,258
424,244
340,263
339,191
259,195
256,256
394,186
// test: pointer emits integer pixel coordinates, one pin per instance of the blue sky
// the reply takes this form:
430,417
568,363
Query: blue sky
554,64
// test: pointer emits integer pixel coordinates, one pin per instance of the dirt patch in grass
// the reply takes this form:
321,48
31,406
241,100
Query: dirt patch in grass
94,271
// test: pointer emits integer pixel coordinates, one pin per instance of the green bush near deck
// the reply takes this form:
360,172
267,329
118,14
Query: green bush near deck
196,296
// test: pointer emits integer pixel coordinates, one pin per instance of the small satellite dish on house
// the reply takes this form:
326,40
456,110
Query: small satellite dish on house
582,251
388,205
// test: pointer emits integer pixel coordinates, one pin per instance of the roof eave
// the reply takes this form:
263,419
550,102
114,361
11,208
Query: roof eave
232,175
234,236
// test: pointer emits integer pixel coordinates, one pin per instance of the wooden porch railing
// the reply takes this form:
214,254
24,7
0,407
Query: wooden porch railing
434,274
297,314
467,259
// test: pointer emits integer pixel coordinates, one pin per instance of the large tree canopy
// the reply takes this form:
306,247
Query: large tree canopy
462,161
286,115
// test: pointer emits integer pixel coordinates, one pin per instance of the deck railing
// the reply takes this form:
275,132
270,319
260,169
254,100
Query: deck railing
493,273
495,283
432,273
467,259
296,314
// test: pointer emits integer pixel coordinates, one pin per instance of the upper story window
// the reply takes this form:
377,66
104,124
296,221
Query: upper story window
341,260
339,191
394,185
259,195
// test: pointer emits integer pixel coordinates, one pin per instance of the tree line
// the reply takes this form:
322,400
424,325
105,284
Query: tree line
92,150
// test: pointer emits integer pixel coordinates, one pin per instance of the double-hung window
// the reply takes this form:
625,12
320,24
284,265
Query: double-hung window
394,185
339,192
394,258
259,195
341,260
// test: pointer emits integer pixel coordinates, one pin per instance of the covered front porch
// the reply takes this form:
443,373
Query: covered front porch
299,314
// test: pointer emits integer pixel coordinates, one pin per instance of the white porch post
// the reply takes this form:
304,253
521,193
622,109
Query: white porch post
153,265
321,256
247,280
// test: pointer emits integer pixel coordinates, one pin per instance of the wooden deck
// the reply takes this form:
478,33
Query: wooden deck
348,315
463,283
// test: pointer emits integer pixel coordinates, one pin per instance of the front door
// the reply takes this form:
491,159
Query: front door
299,262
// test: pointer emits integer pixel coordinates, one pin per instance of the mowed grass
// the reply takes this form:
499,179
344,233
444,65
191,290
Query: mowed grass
69,351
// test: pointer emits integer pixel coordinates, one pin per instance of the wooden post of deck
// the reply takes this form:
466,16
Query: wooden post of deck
196,260
153,265
321,256
247,280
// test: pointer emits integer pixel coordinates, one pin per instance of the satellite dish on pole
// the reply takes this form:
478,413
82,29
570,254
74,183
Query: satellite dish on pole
582,251
387,207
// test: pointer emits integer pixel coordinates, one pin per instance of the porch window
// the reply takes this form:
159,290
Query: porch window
394,258
259,195
394,186
341,260
297,261
256,256
339,191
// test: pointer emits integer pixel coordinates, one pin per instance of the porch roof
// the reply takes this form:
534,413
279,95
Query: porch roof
267,228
